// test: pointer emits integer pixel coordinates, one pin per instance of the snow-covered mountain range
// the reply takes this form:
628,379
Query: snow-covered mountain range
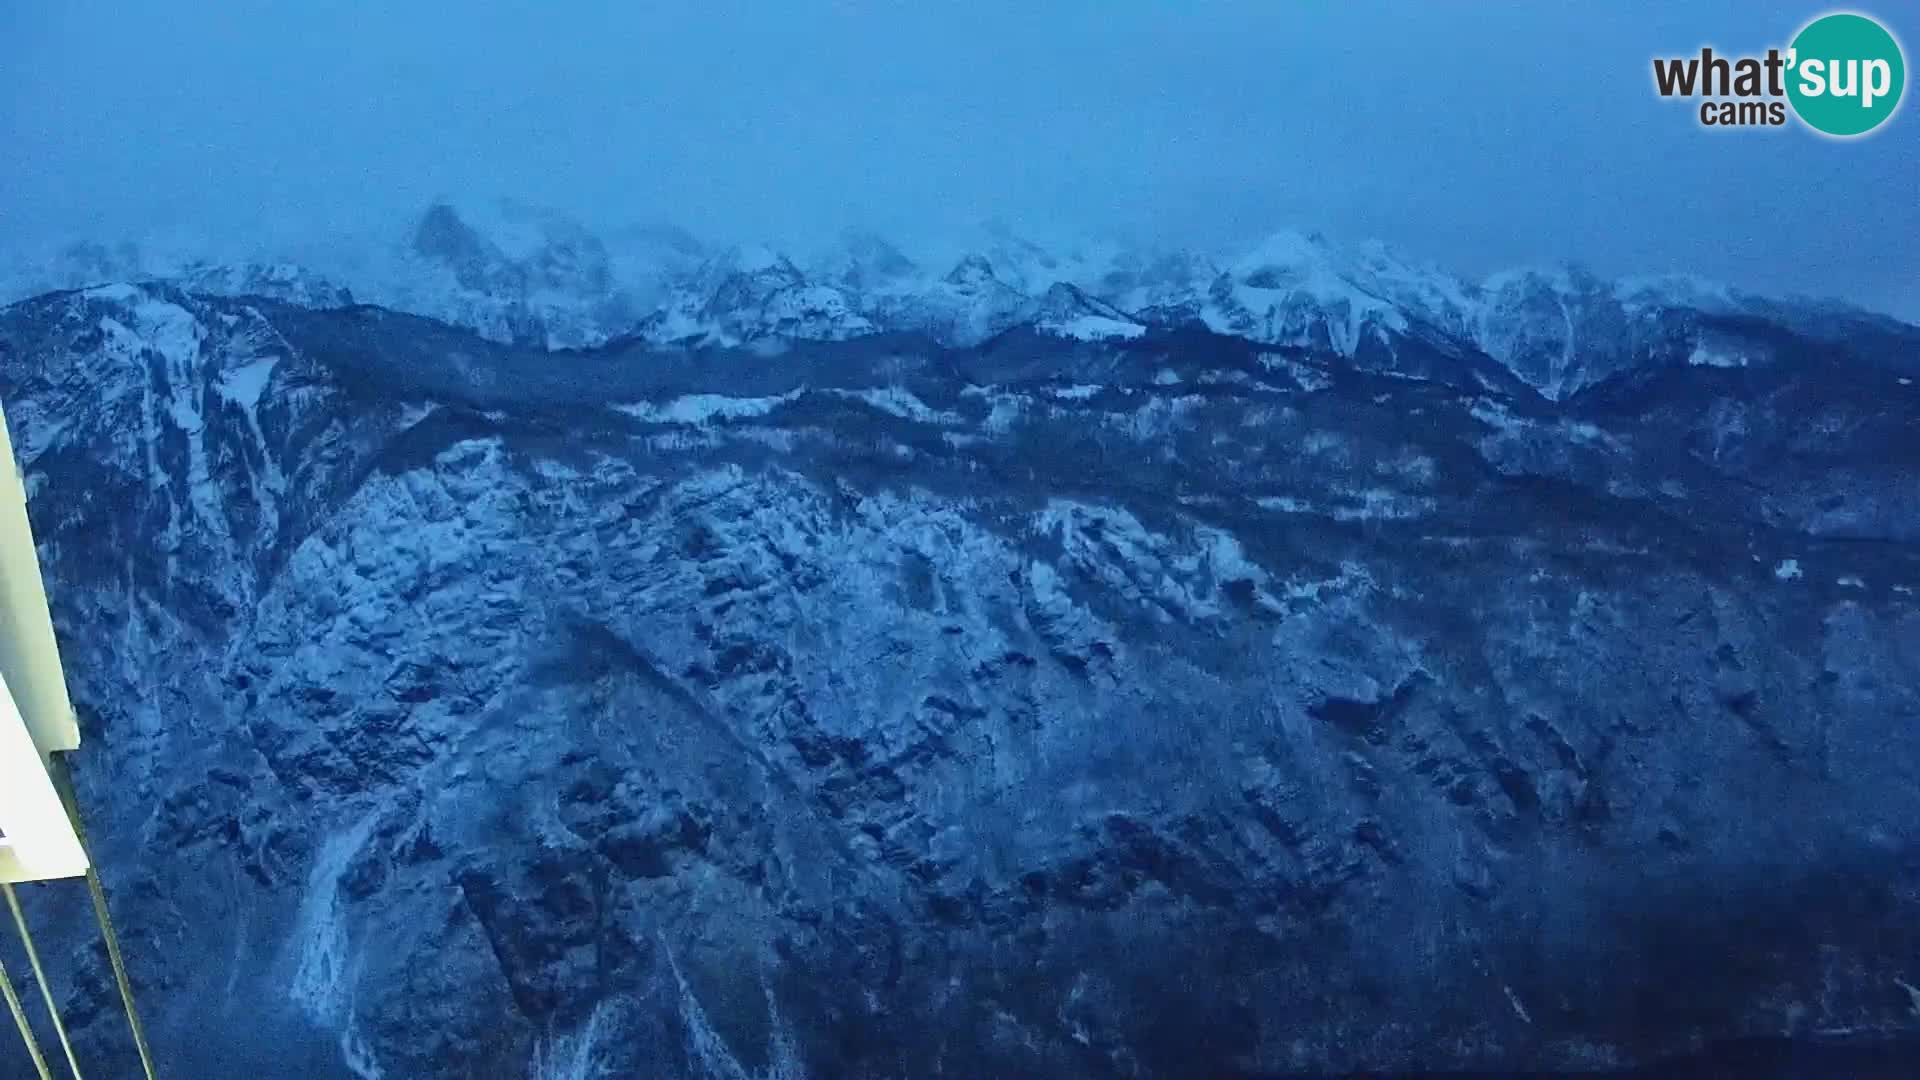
522,275
461,709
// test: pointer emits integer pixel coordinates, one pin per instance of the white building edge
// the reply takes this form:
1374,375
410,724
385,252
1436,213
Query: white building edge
37,838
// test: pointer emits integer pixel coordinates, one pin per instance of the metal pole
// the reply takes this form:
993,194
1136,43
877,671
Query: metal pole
40,976
20,1021
63,780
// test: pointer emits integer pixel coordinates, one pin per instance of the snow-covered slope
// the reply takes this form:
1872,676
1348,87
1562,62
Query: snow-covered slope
521,274
748,294
969,304
1067,311
864,262
26,272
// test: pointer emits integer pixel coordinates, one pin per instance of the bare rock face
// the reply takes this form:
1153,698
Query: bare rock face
1153,705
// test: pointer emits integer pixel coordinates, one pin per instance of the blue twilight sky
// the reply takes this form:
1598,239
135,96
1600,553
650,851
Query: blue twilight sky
1475,135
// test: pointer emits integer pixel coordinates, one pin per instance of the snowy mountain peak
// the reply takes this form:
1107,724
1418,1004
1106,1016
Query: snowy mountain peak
283,281
1565,278
517,251
1017,260
1286,252
748,274
866,261
758,259
1677,290
442,234
749,293
972,271
1067,311
444,238
509,270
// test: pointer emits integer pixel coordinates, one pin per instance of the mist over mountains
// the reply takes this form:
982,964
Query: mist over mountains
519,274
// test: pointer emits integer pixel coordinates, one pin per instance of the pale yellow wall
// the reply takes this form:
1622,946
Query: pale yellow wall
40,842
36,718
29,660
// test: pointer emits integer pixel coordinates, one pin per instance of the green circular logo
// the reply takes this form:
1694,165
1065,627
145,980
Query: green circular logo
1845,74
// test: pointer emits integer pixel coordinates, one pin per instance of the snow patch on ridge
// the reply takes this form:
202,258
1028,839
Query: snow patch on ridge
899,402
1703,356
118,293
702,408
244,385
323,979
